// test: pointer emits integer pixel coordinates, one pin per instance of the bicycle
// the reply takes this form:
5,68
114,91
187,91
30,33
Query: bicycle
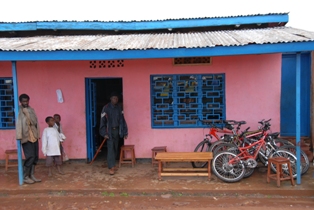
242,140
238,139
305,163
266,151
227,128
231,165
256,134
282,144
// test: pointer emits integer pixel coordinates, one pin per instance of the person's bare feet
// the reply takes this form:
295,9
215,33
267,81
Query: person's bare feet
60,170
49,172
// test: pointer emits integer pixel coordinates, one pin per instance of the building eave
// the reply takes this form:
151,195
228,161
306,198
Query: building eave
155,53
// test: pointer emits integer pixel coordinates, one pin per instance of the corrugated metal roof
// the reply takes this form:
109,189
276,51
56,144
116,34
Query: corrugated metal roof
157,40
148,20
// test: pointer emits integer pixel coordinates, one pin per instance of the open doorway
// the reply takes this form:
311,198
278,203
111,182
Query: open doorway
98,92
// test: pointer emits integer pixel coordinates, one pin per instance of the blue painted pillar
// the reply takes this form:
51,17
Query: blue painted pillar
298,115
16,111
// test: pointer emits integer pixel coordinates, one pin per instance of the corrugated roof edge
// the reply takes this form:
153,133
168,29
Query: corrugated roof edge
126,21
159,41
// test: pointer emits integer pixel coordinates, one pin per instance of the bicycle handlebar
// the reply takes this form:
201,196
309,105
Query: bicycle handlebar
234,122
230,122
265,125
264,121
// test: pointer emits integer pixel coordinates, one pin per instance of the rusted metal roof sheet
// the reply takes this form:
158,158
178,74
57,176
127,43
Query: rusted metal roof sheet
157,40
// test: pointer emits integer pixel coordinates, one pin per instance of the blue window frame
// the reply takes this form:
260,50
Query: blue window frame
7,118
181,100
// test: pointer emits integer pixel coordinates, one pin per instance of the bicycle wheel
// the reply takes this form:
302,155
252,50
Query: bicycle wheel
248,172
282,142
305,163
290,156
234,149
225,147
226,171
201,147
214,145
266,150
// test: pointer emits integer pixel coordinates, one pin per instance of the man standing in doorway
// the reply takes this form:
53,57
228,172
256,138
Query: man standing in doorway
27,130
113,127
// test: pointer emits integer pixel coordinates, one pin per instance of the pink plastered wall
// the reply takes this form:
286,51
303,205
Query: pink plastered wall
252,93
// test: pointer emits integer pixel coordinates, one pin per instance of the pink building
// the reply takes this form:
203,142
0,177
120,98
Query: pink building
167,79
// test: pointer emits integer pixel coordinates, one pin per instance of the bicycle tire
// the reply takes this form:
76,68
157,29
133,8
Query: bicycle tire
234,149
225,171
248,172
225,147
214,145
279,143
304,159
290,156
201,147
282,142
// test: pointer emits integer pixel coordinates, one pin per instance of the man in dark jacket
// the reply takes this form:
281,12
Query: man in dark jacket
113,127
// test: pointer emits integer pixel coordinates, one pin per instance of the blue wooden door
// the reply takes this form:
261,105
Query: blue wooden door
90,93
288,95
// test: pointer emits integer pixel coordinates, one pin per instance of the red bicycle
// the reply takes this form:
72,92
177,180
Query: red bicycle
231,165
225,127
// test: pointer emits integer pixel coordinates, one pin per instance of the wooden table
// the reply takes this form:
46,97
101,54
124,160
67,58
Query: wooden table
184,157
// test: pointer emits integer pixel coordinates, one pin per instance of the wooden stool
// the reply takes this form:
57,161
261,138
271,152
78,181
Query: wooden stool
7,157
123,151
155,150
279,176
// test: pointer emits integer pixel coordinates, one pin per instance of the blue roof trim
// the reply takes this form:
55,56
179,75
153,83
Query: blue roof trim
18,26
146,25
145,54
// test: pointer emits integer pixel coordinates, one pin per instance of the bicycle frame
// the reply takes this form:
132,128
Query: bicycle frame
213,132
250,134
244,151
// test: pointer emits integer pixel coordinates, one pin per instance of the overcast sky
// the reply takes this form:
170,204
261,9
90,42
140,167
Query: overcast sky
300,11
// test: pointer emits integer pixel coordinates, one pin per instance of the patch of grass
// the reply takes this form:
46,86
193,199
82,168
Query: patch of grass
104,194
176,194
124,194
111,194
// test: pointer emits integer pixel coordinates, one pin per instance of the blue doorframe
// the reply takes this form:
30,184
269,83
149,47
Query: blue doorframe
90,101
288,95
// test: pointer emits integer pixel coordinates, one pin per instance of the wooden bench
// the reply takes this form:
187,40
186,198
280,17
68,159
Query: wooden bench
184,157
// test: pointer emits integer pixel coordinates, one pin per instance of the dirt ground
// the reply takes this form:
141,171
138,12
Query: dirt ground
105,200
86,186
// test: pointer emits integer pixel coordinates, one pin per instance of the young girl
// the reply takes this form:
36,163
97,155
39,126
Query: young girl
51,146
